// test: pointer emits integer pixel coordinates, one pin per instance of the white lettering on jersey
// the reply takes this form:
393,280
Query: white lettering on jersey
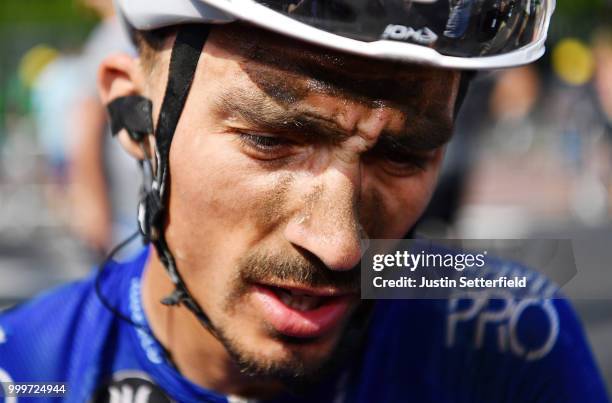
127,394
130,387
423,36
476,311
5,377
147,342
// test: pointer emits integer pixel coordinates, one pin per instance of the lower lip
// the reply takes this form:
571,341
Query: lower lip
296,323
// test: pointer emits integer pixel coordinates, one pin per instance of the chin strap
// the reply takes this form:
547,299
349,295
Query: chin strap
135,115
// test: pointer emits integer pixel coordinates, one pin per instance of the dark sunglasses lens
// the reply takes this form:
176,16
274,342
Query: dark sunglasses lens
463,28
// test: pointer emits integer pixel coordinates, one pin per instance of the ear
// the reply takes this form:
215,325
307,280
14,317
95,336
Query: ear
121,75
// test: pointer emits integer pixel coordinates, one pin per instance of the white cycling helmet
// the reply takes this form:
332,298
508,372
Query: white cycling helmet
459,34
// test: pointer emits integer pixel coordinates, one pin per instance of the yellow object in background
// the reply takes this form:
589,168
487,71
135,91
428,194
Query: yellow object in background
34,62
573,61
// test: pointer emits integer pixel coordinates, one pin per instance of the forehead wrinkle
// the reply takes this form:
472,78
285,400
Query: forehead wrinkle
288,89
427,101
283,87
258,110
295,80
290,69
294,77
418,132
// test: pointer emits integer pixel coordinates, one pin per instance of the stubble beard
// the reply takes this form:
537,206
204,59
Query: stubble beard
295,369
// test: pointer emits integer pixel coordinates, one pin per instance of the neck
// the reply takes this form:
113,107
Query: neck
196,353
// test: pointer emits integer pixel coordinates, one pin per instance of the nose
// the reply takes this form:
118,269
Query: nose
328,225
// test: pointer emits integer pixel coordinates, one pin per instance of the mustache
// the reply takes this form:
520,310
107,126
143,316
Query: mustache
304,269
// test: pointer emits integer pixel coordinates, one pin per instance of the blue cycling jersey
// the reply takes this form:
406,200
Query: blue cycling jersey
531,350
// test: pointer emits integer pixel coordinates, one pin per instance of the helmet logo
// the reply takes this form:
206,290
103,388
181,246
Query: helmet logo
423,36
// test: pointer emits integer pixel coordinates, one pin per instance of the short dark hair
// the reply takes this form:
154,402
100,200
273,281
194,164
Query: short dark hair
149,43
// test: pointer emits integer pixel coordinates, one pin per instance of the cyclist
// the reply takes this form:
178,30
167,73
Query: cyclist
274,136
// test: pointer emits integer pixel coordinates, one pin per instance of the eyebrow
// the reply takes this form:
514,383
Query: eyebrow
259,111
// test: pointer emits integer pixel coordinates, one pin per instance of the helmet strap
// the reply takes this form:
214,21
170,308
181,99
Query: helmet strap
134,113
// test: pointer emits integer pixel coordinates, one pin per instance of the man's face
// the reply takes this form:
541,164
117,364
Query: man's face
285,158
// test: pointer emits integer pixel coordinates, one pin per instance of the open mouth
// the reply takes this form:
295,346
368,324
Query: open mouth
302,312
298,300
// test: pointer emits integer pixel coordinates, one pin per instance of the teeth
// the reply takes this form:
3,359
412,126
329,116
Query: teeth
299,302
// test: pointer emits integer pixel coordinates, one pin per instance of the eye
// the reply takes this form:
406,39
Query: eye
408,165
397,163
266,146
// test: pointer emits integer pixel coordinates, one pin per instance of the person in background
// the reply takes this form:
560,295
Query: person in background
104,179
53,92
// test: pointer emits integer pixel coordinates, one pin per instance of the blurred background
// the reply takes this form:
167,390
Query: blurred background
532,155
67,191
